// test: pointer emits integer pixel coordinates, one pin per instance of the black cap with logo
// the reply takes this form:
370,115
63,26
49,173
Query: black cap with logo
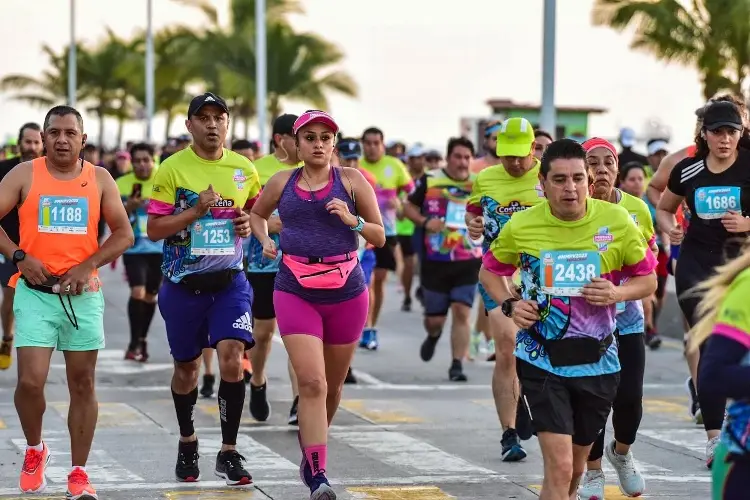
206,99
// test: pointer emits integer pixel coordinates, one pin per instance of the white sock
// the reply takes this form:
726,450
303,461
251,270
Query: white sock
39,447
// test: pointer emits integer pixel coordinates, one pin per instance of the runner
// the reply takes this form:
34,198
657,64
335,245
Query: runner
393,178
542,140
632,181
570,249
262,273
725,332
320,295
627,408
58,301
405,228
716,186
488,157
30,147
196,207
350,154
498,193
451,260
143,260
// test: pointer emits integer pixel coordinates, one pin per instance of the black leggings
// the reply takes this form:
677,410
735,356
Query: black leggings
692,269
627,408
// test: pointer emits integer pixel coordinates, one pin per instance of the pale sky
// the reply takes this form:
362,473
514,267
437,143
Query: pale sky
420,65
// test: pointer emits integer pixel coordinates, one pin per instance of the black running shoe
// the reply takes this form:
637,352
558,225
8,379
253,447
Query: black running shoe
456,372
208,386
406,305
187,470
229,466
293,418
427,351
350,378
512,449
260,409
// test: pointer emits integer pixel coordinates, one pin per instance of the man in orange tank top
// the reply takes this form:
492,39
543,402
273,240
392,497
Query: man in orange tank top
58,301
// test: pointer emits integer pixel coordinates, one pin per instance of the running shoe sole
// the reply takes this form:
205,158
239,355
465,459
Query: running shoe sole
242,482
515,454
189,479
44,479
85,496
324,492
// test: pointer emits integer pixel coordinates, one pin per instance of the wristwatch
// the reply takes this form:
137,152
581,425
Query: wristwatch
360,224
507,306
18,256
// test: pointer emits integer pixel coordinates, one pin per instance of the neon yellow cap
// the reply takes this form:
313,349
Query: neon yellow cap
515,137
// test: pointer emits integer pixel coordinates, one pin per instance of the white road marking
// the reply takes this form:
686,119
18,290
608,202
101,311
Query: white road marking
102,468
691,439
408,453
259,457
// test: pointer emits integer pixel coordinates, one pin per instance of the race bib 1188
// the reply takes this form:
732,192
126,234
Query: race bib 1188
564,273
63,215
715,202
212,237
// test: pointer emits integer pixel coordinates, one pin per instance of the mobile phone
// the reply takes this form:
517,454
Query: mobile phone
137,189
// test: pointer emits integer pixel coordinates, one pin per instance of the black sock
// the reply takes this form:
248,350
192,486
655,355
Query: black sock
231,403
135,315
148,308
184,405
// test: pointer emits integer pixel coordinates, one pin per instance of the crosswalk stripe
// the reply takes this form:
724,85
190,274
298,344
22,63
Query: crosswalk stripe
259,457
101,468
113,415
379,412
691,439
402,451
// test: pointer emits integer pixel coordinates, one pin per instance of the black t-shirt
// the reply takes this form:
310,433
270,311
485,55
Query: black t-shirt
708,195
10,222
628,155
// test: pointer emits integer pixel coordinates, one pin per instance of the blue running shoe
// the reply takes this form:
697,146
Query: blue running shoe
512,449
320,489
366,338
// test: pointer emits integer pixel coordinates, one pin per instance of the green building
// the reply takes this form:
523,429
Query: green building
572,121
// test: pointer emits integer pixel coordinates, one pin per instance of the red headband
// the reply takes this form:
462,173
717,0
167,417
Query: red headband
598,142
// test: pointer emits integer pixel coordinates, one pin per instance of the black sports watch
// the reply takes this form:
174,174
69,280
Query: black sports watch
507,306
18,256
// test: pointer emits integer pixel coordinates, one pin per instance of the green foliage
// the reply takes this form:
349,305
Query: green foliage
712,36
219,58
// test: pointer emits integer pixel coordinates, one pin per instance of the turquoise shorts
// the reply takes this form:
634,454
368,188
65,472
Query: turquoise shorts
41,320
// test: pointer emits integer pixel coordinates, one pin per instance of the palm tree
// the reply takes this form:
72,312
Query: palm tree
711,35
298,69
105,76
177,64
50,87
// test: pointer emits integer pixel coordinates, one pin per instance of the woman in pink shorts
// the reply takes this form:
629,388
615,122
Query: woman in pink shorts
320,295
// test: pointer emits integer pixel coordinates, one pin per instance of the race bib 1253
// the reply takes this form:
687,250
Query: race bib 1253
212,237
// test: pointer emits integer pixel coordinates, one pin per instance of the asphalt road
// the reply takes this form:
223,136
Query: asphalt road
403,432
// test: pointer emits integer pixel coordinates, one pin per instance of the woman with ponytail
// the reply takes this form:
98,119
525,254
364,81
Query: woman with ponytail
723,335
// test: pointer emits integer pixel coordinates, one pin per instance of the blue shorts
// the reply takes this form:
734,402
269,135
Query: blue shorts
439,303
367,261
489,302
196,321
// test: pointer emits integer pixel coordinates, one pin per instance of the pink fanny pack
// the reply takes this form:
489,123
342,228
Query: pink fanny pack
328,273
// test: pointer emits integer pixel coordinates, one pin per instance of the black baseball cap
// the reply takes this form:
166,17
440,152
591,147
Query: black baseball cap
284,124
350,149
208,98
722,114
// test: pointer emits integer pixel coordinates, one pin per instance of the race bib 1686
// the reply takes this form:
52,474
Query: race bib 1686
714,202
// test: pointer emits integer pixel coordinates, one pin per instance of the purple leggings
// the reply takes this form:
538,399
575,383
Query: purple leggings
336,324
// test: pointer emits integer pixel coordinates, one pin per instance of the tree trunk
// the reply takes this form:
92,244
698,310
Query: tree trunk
233,134
120,130
100,116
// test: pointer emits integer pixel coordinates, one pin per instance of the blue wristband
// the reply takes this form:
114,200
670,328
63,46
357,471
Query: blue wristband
360,225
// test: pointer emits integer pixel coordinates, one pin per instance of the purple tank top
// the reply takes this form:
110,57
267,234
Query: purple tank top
308,230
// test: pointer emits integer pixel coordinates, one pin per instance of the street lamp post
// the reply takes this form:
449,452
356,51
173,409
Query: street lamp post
548,118
149,72
72,57
261,91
